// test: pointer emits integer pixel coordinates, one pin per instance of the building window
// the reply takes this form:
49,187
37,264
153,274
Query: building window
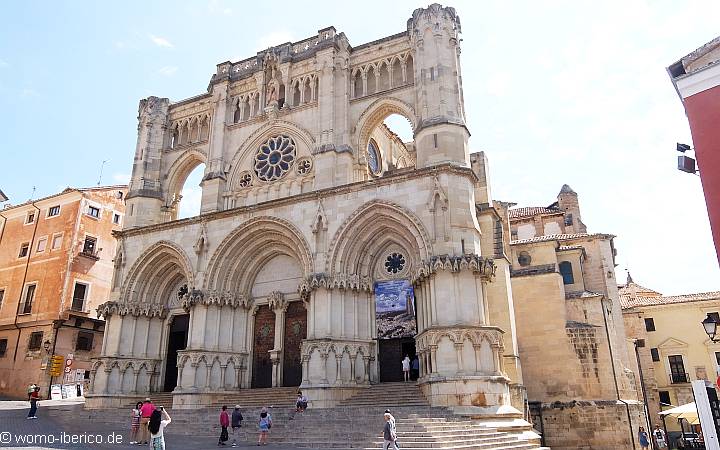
274,158
567,272
394,263
116,218
2,296
373,157
24,250
42,244
89,245
524,259
57,241
94,211
3,347
119,195
717,358
665,397
655,354
29,297
568,219
84,341
30,218
53,211
79,294
677,369
35,340
649,324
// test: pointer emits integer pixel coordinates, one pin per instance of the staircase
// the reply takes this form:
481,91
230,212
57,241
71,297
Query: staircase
356,423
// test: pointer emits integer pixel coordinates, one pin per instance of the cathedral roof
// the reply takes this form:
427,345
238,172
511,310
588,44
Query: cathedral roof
522,213
560,237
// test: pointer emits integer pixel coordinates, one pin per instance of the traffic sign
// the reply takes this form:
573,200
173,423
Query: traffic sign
56,365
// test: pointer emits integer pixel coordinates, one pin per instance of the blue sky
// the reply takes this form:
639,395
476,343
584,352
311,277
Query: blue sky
556,92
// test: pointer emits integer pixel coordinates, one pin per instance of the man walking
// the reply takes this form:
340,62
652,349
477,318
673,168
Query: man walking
236,422
659,437
389,433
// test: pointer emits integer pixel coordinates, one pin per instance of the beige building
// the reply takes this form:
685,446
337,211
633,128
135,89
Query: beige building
55,269
576,367
674,349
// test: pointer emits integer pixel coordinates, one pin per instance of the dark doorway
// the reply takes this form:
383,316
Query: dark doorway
263,342
390,355
295,332
176,341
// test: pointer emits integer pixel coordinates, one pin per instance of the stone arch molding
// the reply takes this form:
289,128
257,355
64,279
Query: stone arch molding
160,254
372,228
247,149
179,171
242,254
374,115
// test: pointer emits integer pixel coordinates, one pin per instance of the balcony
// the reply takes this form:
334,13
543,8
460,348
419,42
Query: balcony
89,253
676,378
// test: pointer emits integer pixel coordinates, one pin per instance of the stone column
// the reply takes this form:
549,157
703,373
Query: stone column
306,369
338,365
353,358
279,306
106,389
433,358
458,352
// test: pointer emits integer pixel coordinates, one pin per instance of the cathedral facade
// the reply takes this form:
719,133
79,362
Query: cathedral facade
310,207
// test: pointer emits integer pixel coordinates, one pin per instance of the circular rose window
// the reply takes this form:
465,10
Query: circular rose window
274,158
394,263
373,157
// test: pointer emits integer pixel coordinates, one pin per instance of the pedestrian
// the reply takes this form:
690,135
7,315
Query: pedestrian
406,368
301,402
135,423
415,368
159,419
224,424
31,389
643,438
34,398
146,411
264,425
389,433
237,419
659,437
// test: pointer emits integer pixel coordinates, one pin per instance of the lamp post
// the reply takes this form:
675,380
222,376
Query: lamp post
710,324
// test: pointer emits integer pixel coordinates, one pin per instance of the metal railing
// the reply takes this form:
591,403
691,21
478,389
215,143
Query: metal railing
679,378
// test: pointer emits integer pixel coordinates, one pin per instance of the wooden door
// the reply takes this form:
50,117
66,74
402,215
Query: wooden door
263,342
295,332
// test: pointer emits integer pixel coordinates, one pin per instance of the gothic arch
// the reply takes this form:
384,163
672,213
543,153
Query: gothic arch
242,254
375,114
162,259
247,149
373,227
179,171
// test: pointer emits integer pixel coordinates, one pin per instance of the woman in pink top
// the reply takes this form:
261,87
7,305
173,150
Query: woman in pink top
146,411
224,424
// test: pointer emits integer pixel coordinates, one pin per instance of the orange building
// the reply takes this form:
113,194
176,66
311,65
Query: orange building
56,267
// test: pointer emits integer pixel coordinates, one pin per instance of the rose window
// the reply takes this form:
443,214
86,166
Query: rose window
274,158
373,157
394,263
245,180
304,166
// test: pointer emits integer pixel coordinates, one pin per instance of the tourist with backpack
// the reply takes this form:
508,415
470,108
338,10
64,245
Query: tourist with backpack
236,422
264,425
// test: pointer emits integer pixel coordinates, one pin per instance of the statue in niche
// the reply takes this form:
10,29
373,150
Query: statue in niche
201,242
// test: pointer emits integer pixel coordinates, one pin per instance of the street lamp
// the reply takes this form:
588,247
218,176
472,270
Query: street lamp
711,324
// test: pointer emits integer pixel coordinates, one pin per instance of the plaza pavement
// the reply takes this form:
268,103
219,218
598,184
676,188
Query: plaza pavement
62,419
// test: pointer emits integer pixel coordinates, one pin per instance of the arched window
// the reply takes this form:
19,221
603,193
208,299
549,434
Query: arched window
358,84
566,271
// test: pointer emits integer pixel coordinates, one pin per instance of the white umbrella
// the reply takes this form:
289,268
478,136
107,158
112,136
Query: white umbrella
687,412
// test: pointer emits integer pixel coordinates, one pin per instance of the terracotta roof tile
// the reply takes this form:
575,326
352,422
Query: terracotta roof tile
628,301
521,213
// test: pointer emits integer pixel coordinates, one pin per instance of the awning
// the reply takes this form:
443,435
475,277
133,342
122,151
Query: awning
687,412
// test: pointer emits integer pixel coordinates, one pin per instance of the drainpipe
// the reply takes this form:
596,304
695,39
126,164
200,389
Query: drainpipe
614,370
22,285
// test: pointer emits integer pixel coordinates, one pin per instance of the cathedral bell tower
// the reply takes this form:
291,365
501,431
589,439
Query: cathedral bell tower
441,135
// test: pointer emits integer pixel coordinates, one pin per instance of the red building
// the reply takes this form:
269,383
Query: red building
697,80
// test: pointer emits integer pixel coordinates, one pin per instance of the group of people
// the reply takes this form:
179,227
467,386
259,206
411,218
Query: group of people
147,425
235,423
411,368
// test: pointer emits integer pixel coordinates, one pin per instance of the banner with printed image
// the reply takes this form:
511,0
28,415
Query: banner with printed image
395,309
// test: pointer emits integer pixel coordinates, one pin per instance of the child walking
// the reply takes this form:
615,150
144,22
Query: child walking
135,423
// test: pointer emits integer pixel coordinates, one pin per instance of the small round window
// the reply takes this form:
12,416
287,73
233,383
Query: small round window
373,157
394,263
524,259
274,158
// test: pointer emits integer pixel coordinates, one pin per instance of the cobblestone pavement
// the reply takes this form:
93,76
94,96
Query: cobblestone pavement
59,421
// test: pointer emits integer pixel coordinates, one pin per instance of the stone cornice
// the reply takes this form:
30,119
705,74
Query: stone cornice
336,281
485,267
392,178
132,309
232,299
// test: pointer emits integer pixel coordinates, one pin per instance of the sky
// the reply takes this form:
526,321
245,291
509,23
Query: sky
555,92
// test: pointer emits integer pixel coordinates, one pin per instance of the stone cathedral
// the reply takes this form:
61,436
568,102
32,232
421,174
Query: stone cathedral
326,248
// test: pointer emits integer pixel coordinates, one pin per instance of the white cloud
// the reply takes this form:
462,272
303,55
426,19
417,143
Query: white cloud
160,41
274,38
190,202
168,71
122,178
